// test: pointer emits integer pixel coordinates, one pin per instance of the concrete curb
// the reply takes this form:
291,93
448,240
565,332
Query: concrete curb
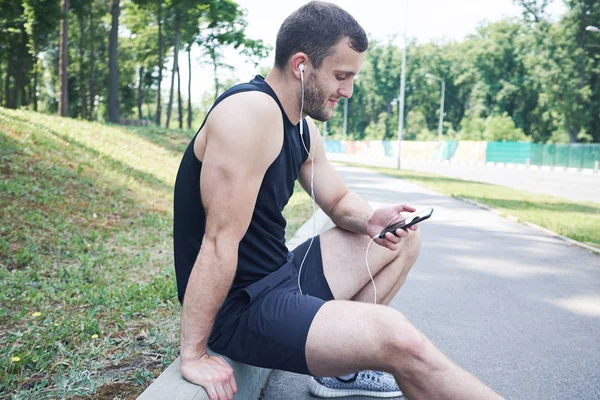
530,224
171,385
250,380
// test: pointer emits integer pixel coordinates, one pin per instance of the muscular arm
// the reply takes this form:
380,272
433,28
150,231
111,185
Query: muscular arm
346,209
244,137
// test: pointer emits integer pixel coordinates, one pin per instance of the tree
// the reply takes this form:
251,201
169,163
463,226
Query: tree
42,17
113,81
223,26
63,100
175,69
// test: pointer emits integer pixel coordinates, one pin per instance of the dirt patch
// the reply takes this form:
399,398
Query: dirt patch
148,361
115,391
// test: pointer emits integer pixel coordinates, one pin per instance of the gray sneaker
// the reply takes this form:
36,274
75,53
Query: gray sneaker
364,383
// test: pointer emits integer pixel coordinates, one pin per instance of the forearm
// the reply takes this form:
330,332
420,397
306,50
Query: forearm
351,212
206,290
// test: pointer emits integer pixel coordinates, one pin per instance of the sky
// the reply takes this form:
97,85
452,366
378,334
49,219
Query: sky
426,20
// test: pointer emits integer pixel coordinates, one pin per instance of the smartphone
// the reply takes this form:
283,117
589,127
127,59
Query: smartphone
407,222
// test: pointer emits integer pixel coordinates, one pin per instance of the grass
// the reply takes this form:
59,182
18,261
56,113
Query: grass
87,286
576,220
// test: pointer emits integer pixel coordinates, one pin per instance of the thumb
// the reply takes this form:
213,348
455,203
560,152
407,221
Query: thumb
404,207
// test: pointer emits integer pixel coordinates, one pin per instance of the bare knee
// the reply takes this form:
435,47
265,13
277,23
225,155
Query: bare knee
403,348
411,246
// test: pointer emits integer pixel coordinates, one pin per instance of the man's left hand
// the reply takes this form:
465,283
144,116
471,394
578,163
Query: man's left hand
386,216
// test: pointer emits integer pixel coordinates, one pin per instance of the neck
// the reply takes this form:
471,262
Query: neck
287,89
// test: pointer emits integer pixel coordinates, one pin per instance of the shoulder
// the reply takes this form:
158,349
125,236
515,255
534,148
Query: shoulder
246,108
247,123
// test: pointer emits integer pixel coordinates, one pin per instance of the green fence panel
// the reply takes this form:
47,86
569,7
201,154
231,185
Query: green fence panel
537,154
562,155
575,155
508,152
591,154
548,155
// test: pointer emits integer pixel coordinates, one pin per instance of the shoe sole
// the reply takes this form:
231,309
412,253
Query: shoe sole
319,390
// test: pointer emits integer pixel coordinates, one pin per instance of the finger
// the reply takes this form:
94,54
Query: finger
390,237
405,207
233,384
221,392
211,392
401,233
228,390
414,227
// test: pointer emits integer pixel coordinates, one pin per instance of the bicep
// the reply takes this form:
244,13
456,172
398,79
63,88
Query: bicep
229,194
233,167
329,186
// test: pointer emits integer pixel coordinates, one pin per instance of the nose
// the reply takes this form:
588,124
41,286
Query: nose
346,89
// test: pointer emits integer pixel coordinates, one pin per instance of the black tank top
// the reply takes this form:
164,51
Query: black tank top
262,249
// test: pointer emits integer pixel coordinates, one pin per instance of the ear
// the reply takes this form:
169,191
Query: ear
296,61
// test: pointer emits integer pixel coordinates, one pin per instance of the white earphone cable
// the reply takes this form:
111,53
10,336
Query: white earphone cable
312,178
312,195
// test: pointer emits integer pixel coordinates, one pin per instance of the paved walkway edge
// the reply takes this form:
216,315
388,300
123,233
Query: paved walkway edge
530,224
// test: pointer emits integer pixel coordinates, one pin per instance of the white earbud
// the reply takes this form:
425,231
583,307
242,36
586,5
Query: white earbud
301,68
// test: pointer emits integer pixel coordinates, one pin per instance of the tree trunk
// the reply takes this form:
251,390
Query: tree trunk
9,68
571,129
179,106
20,68
113,74
92,62
214,59
1,87
189,116
63,60
81,66
160,64
175,64
35,79
140,93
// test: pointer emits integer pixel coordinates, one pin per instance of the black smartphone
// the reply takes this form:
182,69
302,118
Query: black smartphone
407,222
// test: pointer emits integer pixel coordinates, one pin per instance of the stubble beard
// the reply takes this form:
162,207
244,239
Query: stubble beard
315,100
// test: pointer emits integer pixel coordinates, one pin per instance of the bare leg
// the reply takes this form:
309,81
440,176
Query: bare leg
346,271
350,336
391,276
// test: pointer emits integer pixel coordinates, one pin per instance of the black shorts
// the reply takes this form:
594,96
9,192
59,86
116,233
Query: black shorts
266,324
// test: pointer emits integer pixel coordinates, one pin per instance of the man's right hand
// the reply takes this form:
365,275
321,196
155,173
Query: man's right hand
213,373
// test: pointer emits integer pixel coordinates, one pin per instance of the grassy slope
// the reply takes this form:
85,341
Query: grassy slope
86,272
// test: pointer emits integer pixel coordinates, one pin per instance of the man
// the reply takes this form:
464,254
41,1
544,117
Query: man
239,285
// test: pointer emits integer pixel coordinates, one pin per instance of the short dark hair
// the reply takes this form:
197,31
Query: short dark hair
314,29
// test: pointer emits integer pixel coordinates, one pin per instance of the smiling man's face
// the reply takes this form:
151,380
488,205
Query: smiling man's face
332,81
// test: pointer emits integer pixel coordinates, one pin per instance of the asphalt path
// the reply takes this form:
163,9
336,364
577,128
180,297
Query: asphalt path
572,185
514,306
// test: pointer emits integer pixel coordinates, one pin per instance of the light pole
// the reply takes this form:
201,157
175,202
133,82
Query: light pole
592,28
440,128
345,116
402,87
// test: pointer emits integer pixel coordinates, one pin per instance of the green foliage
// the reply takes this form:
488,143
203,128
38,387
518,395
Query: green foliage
500,128
471,127
416,126
376,129
543,75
